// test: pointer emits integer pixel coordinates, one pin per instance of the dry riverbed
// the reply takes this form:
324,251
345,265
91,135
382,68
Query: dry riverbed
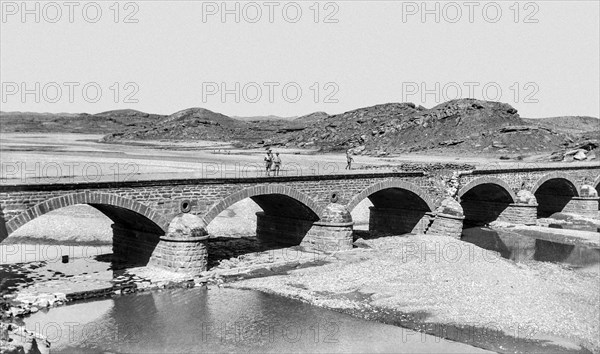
452,289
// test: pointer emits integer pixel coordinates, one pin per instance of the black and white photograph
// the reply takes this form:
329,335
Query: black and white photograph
308,176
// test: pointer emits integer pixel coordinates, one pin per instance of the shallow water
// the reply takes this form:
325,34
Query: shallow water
581,225
221,320
512,245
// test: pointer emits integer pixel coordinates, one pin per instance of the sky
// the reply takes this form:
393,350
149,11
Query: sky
292,58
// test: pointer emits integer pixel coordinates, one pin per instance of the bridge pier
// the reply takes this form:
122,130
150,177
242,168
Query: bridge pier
591,206
516,213
586,206
389,221
183,248
448,219
524,211
333,232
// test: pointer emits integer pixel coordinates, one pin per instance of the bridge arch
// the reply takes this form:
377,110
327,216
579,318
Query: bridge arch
484,200
124,212
493,182
270,198
399,207
563,179
554,192
287,214
392,184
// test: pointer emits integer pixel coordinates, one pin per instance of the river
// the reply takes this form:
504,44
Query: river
221,320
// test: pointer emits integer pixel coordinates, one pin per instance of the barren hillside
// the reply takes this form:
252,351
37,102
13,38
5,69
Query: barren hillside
465,126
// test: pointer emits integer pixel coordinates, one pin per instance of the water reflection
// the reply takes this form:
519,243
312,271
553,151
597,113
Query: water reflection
221,320
571,222
517,247
510,245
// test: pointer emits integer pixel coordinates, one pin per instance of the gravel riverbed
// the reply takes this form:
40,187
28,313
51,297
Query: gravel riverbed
445,281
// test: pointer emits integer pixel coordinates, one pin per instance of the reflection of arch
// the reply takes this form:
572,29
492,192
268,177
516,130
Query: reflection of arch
414,191
558,176
123,211
488,180
273,199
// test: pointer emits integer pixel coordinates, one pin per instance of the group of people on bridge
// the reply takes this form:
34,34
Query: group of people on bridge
272,163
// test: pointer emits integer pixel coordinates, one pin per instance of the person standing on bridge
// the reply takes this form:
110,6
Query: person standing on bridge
268,162
349,160
276,164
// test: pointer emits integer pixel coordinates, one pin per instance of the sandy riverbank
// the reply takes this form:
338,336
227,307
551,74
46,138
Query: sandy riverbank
436,284
67,158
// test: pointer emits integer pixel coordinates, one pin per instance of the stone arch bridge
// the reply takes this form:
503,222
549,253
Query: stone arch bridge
163,222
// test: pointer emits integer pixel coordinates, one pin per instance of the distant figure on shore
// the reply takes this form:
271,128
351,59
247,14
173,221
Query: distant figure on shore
268,162
276,164
349,160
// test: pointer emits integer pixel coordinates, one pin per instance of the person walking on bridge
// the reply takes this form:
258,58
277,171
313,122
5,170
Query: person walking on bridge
268,162
276,164
349,160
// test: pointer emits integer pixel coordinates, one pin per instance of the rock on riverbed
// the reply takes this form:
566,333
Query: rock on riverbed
16,339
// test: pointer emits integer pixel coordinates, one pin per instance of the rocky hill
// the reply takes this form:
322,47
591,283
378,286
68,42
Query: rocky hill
191,123
101,123
574,124
258,118
465,126
202,124
458,126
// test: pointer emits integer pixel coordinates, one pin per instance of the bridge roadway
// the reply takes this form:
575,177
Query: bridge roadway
163,222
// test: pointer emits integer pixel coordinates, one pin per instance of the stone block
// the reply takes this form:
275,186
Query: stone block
446,225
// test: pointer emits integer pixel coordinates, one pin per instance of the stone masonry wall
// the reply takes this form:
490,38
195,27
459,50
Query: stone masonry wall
181,257
519,214
160,201
583,206
527,177
446,225
164,197
329,238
